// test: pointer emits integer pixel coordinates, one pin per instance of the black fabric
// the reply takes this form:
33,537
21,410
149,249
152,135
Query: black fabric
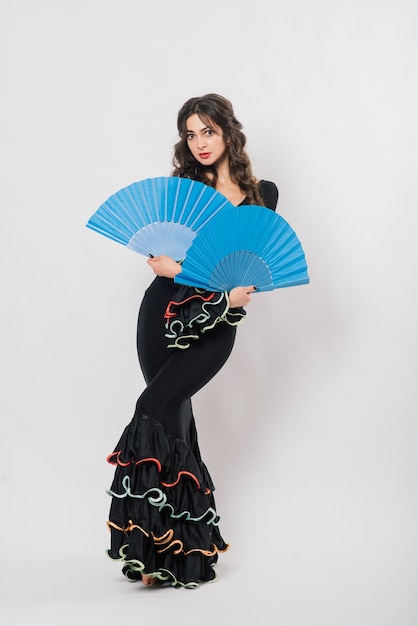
268,192
163,519
174,376
194,312
158,458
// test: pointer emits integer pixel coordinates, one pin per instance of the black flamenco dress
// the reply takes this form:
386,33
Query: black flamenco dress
163,519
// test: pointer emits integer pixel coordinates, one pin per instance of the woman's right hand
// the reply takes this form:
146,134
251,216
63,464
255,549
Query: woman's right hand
164,266
240,296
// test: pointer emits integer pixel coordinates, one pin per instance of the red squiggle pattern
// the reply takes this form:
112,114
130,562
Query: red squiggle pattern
114,459
169,314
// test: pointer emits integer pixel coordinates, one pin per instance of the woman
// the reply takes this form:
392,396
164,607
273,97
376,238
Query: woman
163,521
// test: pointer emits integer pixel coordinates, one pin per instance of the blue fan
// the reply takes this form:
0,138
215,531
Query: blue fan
158,215
242,246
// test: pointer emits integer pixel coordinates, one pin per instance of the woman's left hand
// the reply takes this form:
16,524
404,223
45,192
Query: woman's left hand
164,266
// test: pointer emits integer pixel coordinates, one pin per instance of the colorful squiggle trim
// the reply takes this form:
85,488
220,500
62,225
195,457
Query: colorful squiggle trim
159,466
167,541
162,574
176,329
160,501
196,296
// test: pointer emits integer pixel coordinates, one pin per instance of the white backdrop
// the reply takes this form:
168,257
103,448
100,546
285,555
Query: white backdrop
310,430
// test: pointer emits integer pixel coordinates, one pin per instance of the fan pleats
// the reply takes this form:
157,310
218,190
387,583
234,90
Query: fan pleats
158,215
221,246
244,246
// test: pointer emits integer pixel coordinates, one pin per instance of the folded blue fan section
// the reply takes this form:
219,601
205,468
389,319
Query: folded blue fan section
158,238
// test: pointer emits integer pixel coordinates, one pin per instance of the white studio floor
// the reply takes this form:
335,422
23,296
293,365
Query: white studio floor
92,591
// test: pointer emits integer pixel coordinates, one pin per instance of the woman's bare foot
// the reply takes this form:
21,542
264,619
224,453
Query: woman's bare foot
148,580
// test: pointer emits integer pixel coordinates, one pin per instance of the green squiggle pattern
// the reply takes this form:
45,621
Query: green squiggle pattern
160,501
162,574
196,325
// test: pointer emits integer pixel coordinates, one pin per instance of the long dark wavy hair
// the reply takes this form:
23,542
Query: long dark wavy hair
215,109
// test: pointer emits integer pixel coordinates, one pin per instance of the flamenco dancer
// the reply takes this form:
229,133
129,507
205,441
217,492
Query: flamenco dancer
163,521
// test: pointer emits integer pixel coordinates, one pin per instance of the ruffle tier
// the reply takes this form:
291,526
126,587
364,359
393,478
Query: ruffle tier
193,312
163,520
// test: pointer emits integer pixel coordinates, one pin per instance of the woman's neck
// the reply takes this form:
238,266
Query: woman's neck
225,185
228,188
223,172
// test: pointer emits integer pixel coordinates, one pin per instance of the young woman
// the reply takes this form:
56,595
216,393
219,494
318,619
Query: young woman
163,521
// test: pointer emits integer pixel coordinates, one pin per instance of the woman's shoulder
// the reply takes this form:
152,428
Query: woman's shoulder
269,192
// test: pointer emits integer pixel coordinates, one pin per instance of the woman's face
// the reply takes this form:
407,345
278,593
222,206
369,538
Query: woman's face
206,142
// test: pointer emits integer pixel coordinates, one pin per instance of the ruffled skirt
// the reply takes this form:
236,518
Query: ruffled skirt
163,520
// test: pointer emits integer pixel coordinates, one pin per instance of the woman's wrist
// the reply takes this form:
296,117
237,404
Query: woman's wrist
164,266
240,296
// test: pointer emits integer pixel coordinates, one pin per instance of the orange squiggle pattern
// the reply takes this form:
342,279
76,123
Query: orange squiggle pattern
166,541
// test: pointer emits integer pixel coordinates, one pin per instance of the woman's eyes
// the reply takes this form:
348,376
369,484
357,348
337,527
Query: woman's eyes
208,132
